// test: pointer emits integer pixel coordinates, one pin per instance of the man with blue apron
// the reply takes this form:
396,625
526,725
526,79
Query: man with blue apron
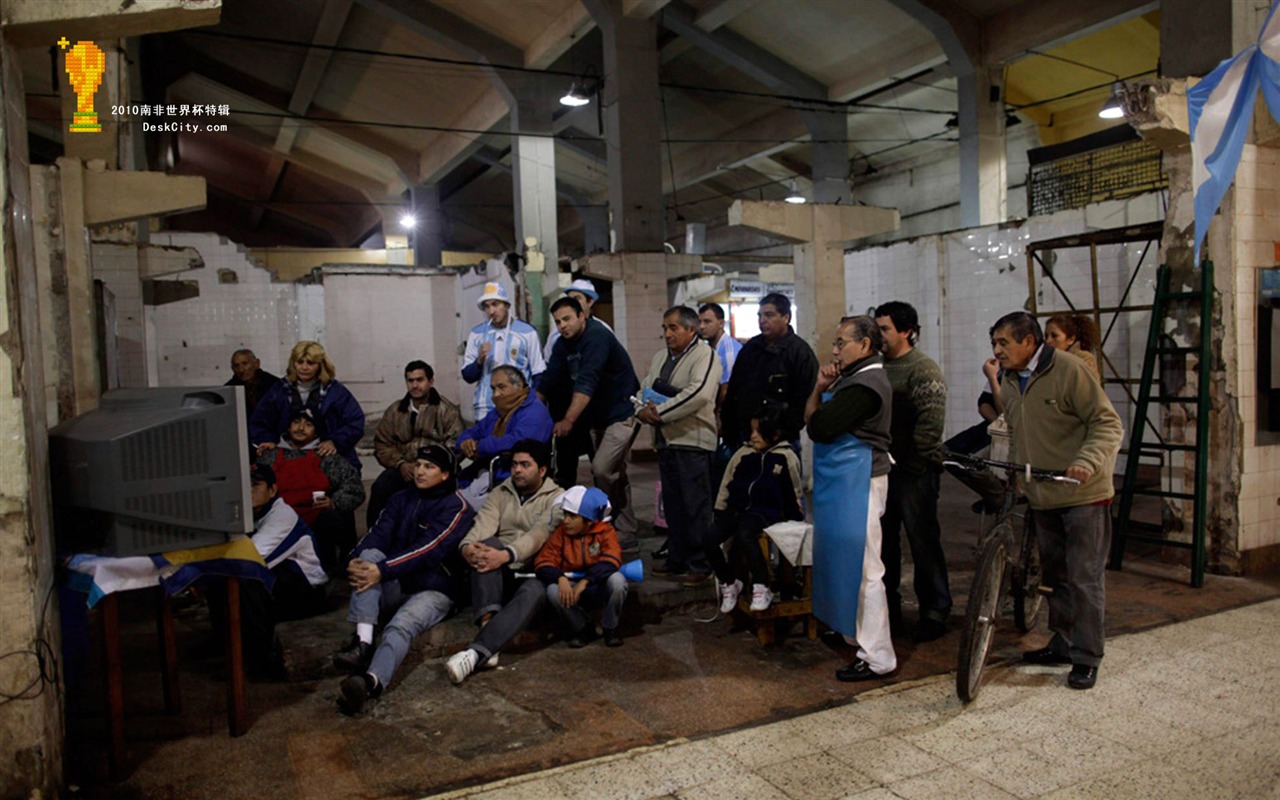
848,417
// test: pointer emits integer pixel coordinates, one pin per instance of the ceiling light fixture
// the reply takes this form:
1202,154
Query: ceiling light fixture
1114,107
408,222
583,89
795,196
576,96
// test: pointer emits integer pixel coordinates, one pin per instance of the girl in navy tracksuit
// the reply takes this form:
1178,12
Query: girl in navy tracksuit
761,486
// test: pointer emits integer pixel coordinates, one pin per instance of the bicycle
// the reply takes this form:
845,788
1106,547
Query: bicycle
1008,563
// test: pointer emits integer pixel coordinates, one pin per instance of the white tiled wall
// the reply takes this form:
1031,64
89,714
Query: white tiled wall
961,282
1257,232
192,340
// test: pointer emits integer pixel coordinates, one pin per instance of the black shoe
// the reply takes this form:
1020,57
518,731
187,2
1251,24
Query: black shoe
661,552
669,570
356,690
1082,676
354,656
581,638
927,630
629,545
1045,656
859,670
612,638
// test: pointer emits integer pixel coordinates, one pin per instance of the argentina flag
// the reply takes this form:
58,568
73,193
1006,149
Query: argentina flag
1220,110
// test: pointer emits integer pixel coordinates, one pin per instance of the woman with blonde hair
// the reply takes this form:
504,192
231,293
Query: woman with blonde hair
1077,335
310,383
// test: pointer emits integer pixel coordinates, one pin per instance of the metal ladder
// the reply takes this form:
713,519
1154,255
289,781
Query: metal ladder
1127,529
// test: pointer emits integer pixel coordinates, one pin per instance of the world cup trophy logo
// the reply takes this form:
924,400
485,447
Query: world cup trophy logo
85,65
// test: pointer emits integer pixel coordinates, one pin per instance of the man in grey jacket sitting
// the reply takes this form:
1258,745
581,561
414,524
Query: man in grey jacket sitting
509,529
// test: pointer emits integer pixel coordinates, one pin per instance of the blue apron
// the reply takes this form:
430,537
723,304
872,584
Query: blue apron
841,495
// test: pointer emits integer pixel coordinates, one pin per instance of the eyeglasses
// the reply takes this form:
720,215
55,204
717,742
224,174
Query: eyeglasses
841,343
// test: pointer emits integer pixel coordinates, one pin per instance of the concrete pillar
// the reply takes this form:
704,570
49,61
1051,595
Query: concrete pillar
31,732
820,233
533,177
633,127
984,182
695,238
829,134
428,236
595,227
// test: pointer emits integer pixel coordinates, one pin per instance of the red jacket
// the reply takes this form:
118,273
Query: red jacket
595,553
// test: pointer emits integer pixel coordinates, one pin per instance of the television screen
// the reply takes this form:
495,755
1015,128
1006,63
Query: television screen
152,470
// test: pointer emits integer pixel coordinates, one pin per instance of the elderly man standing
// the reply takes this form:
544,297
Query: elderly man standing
247,371
680,399
499,340
775,369
419,419
919,411
590,365
1060,418
849,415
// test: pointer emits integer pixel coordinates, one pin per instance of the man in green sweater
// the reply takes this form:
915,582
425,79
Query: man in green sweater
919,411
1061,419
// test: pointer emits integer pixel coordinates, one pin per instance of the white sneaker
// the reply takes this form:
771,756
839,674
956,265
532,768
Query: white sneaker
491,662
461,664
729,596
761,597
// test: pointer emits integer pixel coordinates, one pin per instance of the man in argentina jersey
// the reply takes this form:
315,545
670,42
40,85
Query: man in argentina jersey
500,340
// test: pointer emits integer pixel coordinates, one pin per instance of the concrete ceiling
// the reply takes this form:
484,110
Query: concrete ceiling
338,112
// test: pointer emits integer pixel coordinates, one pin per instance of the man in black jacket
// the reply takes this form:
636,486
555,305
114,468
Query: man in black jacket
404,563
247,371
776,369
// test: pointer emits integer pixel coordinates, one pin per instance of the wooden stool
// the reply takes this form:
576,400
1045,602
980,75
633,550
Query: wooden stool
782,613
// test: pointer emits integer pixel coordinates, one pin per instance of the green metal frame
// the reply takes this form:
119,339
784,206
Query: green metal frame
1125,526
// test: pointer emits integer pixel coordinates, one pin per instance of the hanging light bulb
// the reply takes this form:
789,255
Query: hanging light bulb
795,196
576,96
1114,107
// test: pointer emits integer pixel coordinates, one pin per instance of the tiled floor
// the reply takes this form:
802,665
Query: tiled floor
1188,710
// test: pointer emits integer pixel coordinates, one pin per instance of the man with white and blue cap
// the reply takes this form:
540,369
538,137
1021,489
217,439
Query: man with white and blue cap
499,340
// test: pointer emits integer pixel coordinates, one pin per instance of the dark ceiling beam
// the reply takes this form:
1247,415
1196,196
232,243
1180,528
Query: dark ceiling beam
742,54
333,18
1008,35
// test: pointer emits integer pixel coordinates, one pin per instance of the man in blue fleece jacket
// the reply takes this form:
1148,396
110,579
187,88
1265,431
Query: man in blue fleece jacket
405,564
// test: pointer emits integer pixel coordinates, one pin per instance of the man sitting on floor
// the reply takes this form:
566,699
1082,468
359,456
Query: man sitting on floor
403,566
512,526
517,414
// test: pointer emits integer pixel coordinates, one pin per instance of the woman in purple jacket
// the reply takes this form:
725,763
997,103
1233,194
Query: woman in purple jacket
309,383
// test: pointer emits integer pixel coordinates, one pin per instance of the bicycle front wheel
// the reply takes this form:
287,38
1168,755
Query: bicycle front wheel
981,614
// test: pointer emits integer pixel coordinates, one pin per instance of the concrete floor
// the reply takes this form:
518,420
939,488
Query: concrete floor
1187,710
688,686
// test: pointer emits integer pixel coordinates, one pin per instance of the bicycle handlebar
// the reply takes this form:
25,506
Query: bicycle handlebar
1029,472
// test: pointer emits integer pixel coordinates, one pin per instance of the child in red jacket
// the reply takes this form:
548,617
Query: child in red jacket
586,545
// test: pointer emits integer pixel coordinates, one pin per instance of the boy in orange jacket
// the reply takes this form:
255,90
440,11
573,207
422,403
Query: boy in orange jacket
586,545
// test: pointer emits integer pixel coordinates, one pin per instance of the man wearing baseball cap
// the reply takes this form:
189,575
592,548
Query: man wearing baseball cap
500,340
403,563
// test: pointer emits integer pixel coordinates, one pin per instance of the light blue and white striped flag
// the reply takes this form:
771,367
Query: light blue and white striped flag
1220,109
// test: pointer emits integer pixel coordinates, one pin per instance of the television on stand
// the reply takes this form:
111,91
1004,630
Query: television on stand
152,470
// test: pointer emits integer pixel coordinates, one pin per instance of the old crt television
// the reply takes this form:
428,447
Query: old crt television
152,470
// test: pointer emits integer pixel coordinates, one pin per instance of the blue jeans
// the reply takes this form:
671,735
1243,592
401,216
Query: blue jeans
611,594
414,613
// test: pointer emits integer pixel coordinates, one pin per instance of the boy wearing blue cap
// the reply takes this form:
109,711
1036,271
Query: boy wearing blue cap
584,545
